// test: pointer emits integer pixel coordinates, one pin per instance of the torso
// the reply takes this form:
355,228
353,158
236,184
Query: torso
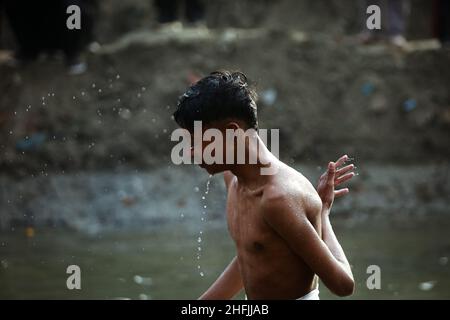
269,268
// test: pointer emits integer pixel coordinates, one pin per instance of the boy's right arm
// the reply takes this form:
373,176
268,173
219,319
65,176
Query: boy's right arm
227,285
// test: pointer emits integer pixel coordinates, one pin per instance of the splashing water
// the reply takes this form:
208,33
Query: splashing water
199,238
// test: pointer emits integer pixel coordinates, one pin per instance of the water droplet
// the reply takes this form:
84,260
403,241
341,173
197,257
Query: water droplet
143,296
196,189
202,274
125,114
146,281
138,279
426,286
199,239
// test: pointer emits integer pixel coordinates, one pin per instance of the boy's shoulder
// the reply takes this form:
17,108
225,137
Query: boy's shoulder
289,188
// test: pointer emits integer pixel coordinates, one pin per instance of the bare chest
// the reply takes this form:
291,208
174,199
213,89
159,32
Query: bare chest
246,224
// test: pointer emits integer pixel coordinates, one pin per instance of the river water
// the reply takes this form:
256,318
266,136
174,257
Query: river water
161,262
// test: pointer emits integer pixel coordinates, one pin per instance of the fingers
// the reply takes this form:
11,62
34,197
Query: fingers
345,169
341,192
331,173
344,178
340,175
341,160
331,168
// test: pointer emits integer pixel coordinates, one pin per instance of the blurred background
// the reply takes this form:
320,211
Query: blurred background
86,117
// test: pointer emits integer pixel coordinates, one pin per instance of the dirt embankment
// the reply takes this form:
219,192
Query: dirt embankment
326,94
327,97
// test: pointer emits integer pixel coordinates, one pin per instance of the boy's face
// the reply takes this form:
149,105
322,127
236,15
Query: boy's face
217,148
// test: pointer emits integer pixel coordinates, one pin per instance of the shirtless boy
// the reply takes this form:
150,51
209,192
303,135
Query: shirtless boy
279,222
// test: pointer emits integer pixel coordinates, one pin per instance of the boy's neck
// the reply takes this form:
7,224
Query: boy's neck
249,175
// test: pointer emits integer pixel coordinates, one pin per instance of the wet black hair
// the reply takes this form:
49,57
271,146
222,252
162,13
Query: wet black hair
219,96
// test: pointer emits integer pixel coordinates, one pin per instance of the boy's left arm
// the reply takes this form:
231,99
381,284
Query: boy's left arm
324,256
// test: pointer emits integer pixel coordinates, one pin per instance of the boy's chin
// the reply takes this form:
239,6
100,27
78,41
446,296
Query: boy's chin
211,169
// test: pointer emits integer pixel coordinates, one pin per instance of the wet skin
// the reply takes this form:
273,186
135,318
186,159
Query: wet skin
281,228
269,268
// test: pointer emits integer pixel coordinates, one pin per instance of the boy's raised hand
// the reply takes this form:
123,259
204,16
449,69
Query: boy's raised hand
335,175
